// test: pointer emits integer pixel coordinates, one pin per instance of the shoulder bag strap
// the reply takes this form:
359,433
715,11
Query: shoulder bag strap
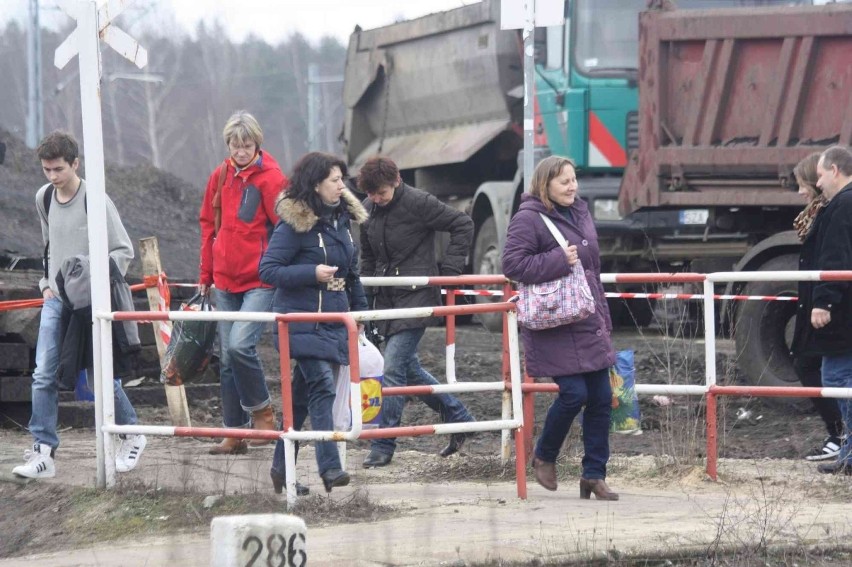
217,197
554,231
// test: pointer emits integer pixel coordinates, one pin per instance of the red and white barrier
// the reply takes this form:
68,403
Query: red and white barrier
517,398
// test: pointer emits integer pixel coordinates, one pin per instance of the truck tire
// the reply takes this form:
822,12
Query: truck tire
764,331
487,261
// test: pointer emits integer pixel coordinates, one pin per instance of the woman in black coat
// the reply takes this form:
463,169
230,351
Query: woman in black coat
807,366
313,263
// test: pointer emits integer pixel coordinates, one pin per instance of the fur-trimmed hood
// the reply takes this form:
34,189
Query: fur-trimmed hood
300,216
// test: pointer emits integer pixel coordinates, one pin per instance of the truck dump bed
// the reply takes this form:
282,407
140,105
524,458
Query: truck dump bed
729,104
433,90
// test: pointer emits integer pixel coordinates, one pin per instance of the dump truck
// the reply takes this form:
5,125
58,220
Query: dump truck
684,119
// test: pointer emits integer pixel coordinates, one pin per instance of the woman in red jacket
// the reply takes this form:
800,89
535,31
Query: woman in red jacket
237,218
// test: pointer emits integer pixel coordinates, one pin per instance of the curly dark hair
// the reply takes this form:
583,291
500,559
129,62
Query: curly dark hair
376,173
310,171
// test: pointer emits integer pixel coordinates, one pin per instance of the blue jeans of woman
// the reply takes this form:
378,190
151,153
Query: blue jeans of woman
591,390
402,368
314,380
837,373
45,389
241,378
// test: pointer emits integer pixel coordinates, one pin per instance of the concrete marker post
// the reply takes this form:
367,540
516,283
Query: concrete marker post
258,539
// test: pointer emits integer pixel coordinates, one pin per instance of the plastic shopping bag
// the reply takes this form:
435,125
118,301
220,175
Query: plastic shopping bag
191,345
372,366
625,402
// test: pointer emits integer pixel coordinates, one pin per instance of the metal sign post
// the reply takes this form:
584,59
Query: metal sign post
526,15
93,22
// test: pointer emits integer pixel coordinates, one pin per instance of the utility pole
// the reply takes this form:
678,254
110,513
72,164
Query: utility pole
315,82
35,117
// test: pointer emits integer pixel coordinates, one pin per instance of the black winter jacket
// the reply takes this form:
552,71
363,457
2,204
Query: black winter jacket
828,246
75,350
399,240
300,242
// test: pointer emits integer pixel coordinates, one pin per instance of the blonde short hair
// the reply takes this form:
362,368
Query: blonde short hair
546,170
243,128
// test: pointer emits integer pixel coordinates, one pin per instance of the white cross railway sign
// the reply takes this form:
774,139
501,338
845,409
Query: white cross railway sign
113,36
94,22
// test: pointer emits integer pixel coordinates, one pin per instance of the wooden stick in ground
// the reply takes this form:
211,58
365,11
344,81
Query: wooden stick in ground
149,249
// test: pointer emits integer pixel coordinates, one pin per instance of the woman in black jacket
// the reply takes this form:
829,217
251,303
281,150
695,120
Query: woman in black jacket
399,240
808,366
313,263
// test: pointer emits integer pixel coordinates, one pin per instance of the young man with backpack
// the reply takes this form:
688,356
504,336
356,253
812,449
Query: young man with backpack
61,206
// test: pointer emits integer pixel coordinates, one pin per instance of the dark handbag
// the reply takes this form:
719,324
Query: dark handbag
557,302
191,345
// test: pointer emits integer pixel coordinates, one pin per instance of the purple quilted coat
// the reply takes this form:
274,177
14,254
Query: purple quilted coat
531,255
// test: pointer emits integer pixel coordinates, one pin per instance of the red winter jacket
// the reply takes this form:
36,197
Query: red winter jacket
230,259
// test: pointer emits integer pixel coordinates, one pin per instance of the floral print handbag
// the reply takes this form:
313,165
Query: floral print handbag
557,302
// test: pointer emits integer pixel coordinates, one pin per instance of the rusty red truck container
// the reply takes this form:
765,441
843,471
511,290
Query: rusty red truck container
729,102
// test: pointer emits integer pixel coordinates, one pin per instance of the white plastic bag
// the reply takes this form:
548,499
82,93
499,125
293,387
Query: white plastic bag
372,366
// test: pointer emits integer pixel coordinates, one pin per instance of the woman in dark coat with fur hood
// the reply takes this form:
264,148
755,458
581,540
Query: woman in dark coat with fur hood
576,356
313,263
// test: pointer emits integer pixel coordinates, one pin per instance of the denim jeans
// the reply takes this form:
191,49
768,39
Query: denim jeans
837,373
592,390
299,390
402,368
45,390
314,379
241,378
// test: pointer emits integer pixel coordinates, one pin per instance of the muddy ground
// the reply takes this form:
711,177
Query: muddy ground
672,436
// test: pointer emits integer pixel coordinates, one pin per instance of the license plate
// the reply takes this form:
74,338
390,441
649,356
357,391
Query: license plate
695,216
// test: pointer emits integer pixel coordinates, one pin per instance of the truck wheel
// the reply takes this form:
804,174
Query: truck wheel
764,331
486,261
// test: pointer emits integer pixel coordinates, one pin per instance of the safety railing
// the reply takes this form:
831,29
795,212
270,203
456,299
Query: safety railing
512,420
518,411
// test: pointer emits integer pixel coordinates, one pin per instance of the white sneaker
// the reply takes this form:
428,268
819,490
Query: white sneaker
39,463
127,456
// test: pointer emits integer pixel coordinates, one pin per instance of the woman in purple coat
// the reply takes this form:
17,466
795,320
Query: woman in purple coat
577,356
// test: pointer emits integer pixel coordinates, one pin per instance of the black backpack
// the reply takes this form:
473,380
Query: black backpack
46,201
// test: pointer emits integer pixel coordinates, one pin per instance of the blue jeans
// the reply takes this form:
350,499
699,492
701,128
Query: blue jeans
241,378
402,368
314,380
837,373
593,391
45,390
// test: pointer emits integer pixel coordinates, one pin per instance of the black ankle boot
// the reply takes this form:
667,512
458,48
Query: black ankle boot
377,459
278,483
334,477
455,444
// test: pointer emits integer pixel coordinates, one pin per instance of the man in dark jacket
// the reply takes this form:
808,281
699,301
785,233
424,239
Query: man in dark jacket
399,240
829,307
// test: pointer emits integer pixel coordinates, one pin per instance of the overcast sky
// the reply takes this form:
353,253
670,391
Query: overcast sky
272,20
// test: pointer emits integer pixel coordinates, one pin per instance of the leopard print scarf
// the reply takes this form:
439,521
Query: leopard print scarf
805,220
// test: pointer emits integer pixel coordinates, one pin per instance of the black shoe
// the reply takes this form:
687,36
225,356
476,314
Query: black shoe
334,477
455,444
835,468
278,483
377,459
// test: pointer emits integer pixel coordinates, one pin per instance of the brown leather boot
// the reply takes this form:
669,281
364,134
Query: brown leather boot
263,419
545,473
598,487
230,446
